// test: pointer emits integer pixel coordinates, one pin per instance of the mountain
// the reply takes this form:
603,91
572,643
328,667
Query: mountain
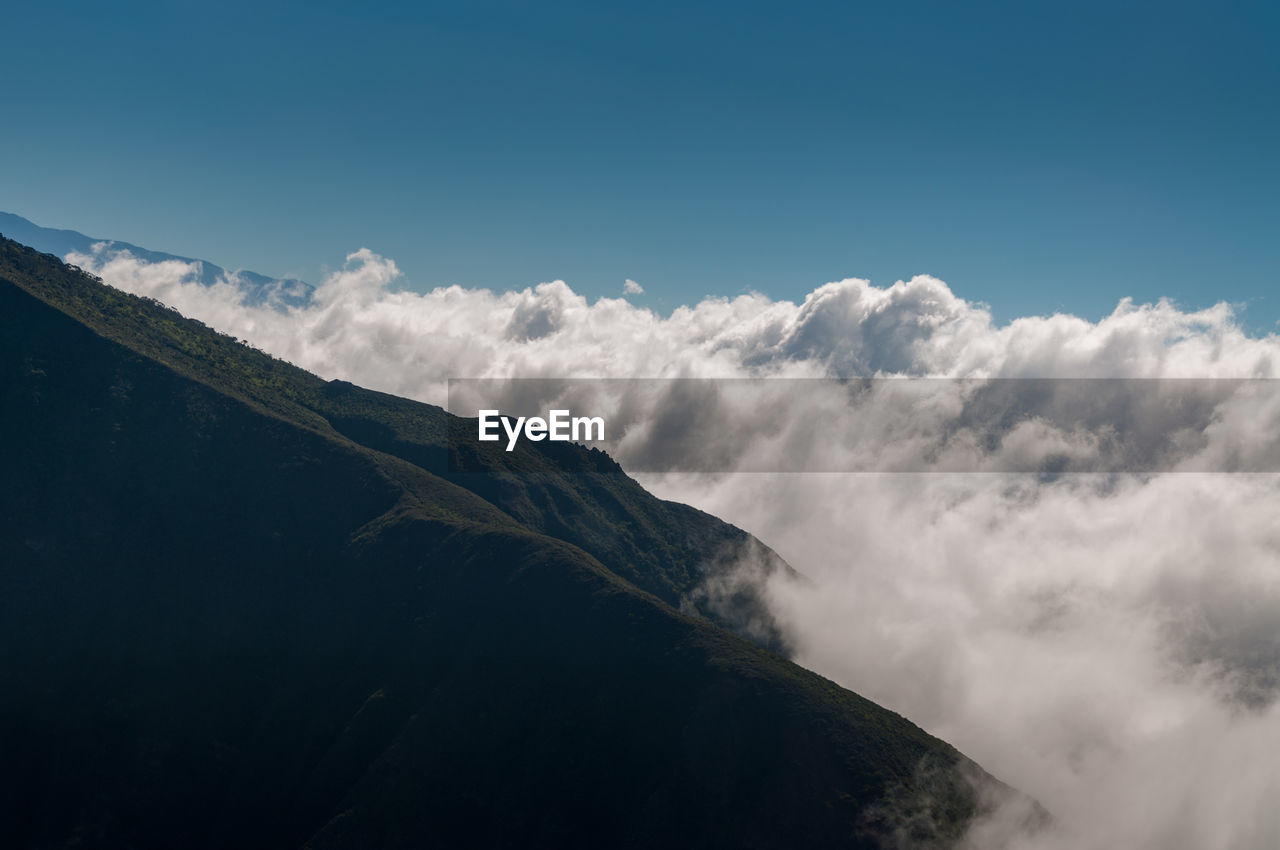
243,606
257,288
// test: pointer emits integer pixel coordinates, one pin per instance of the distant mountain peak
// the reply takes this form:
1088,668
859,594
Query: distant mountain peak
258,288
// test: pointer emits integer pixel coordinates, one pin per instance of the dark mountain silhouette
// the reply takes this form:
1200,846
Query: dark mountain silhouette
243,606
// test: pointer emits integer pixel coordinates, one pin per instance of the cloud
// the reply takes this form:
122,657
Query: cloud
1107,643
630,287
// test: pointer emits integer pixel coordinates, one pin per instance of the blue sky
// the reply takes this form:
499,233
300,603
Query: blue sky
1038,157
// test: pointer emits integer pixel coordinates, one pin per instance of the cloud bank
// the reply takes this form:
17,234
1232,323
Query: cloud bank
1108,643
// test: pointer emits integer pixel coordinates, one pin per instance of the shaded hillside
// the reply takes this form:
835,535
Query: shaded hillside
223,623
564,490
576,494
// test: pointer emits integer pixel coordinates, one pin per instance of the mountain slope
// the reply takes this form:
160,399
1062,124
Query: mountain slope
564,490
579,495
223,622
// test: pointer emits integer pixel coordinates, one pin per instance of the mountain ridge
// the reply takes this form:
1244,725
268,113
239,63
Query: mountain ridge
530,484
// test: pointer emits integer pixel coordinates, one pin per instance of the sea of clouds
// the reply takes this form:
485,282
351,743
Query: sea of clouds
1108,642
